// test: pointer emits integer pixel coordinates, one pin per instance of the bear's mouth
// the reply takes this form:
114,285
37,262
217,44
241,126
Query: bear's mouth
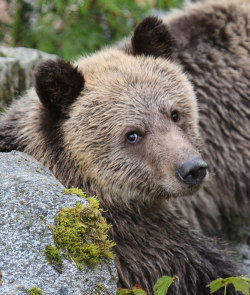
180,189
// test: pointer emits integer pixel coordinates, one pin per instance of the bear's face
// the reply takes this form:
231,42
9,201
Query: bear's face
133,125
130,123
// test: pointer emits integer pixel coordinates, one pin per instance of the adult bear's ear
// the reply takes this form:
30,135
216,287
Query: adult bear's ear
58,84
151,37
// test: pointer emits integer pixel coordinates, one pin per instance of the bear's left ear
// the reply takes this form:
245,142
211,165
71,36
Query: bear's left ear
151,37
58,84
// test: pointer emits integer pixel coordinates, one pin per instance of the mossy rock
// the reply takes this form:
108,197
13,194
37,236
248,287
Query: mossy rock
81,232
17,71
10,77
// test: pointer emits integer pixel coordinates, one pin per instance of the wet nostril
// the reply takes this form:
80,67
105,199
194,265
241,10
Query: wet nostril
192,171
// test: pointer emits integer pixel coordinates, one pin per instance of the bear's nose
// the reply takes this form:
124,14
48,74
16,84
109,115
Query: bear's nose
192,171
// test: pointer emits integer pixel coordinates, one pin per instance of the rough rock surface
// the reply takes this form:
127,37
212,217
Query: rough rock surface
30,197
17,66
243,251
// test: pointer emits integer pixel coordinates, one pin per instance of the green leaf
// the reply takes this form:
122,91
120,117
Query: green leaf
216,285
240,284
137,290
162,285
121,291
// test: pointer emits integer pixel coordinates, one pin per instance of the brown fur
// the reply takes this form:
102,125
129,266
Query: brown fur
84,143
58,84
157,34
82,131
212,44
216,55
87,147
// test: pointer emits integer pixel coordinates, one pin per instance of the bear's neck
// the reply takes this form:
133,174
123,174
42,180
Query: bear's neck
154,241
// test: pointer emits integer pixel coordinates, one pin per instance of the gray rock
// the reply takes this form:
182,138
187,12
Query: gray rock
17,67
30,197
10,79
243,251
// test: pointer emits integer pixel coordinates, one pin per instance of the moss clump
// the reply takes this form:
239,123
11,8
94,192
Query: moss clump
99,287
52,255
82,232
35,291
76,191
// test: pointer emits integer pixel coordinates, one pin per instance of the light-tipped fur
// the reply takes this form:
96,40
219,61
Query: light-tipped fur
84,140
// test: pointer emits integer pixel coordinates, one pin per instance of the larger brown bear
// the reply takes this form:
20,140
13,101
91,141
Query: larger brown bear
213,46
211,41
124,126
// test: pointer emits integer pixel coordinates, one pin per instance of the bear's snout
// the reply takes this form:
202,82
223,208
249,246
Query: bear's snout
192,171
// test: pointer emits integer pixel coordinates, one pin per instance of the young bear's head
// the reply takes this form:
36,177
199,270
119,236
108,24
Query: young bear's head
128,122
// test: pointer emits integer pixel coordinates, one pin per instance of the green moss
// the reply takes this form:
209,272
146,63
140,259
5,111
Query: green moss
5,94
81,232
52,255
99,287
50,227
35,291
76,191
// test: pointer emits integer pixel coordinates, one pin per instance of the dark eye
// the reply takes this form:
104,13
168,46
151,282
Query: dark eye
133,137
175,116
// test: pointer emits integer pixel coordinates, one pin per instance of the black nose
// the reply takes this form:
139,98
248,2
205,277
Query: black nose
192,171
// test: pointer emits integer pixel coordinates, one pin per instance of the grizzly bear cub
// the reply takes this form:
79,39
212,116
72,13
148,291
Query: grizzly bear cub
123,125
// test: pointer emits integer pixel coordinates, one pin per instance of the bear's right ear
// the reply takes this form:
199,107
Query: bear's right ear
151,37
58,84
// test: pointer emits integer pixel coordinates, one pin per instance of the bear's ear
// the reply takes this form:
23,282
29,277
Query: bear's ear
151,37
58,84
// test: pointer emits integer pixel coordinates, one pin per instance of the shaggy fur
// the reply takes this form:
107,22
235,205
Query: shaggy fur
87,147
216,57
153,241
84,142
212,45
